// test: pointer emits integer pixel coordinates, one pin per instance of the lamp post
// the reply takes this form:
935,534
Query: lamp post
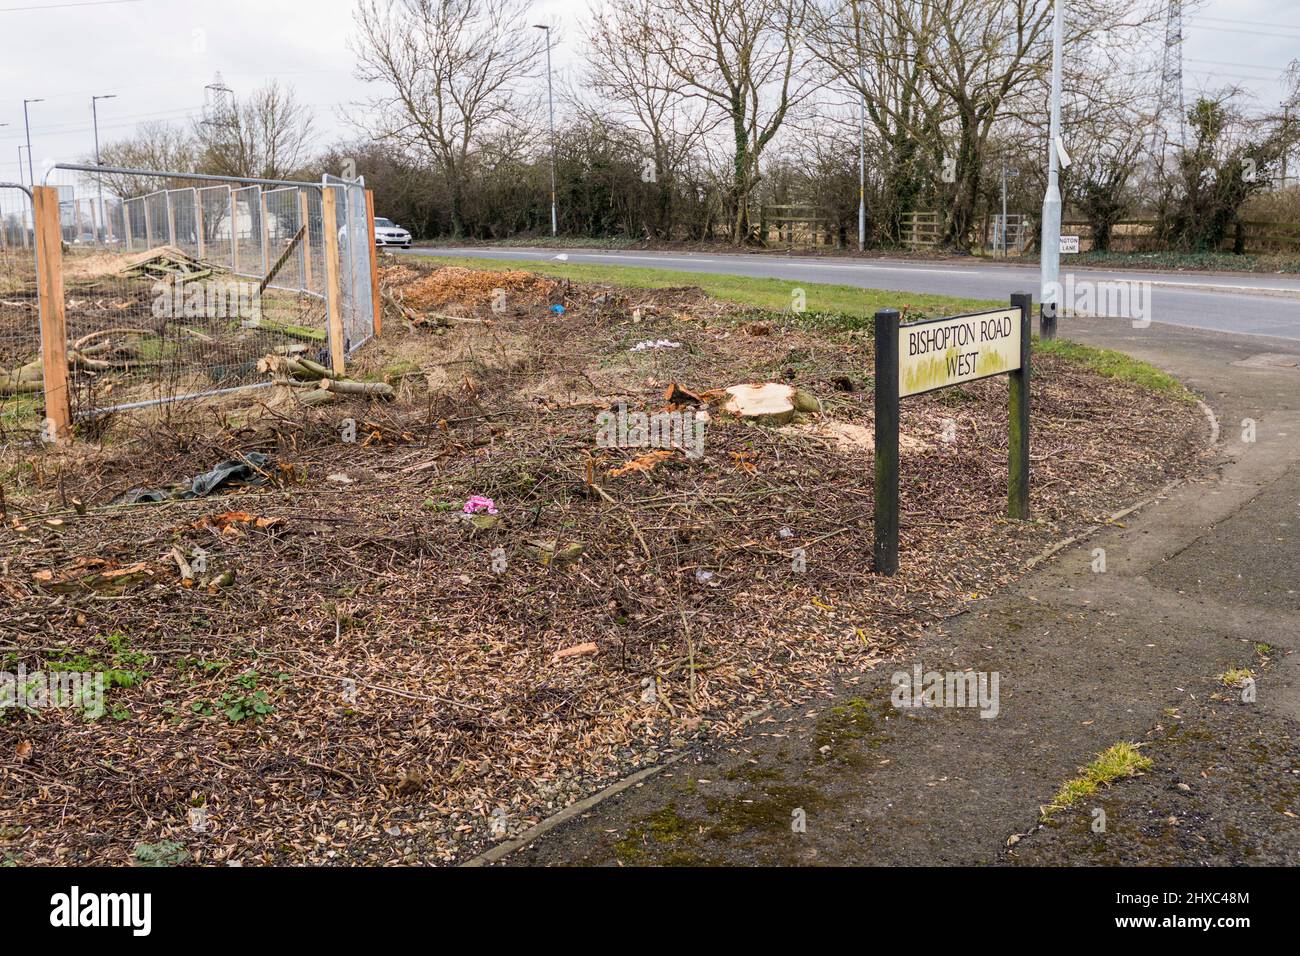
1050,243
20,164
550,102
862,155
28,128
94,114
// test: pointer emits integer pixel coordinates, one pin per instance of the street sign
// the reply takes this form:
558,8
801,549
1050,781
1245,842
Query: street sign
1069,244
923,356
942,352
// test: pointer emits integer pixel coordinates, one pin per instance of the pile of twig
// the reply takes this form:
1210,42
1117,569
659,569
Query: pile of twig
165,262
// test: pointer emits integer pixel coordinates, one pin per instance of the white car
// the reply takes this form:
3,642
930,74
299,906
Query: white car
389,233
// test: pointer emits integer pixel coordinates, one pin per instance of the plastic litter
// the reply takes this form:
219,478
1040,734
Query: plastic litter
245,470
477,503
655,345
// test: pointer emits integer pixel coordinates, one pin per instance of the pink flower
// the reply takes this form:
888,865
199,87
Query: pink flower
479,503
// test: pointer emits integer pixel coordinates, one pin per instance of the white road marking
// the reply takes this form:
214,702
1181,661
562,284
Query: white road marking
1226,285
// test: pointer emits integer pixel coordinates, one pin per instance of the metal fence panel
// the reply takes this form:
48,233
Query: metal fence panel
133,228
21,396
182,207
354,256
248,231
283,219
218,235
247,277
315,240
157,222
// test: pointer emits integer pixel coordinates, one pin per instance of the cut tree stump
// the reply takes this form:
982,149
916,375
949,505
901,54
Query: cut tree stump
769,402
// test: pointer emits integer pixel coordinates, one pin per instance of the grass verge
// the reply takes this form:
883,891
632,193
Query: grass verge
1116,365
1114,763
832,306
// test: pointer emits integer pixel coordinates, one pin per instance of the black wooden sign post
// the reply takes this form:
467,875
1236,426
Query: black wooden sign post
923,356
885,550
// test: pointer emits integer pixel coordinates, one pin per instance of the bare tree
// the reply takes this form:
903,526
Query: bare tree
745,59
453,71
267,136
155,145
631,81
866,48
1110,106
940,76
976,54
1288,120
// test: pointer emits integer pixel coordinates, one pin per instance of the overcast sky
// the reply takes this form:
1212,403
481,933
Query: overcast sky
157,55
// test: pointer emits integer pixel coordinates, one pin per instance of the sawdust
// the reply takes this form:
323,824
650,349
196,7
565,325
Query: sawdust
453,284
848,436
97,265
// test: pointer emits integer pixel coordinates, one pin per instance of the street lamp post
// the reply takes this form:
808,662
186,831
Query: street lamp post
1004,208
1050,243
94,114
862,156
20,163
550,102
28,128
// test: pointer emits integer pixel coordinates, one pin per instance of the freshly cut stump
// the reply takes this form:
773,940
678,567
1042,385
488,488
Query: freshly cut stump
769,402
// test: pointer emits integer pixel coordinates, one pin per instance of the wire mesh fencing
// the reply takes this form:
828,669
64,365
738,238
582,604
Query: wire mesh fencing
176,286
20,330
354,257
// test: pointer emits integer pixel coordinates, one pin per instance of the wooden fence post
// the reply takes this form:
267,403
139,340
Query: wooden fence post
374,260
1018,431
333,295
54,335
885,547
304,213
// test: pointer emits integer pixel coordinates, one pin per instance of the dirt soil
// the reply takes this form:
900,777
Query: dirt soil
373,678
